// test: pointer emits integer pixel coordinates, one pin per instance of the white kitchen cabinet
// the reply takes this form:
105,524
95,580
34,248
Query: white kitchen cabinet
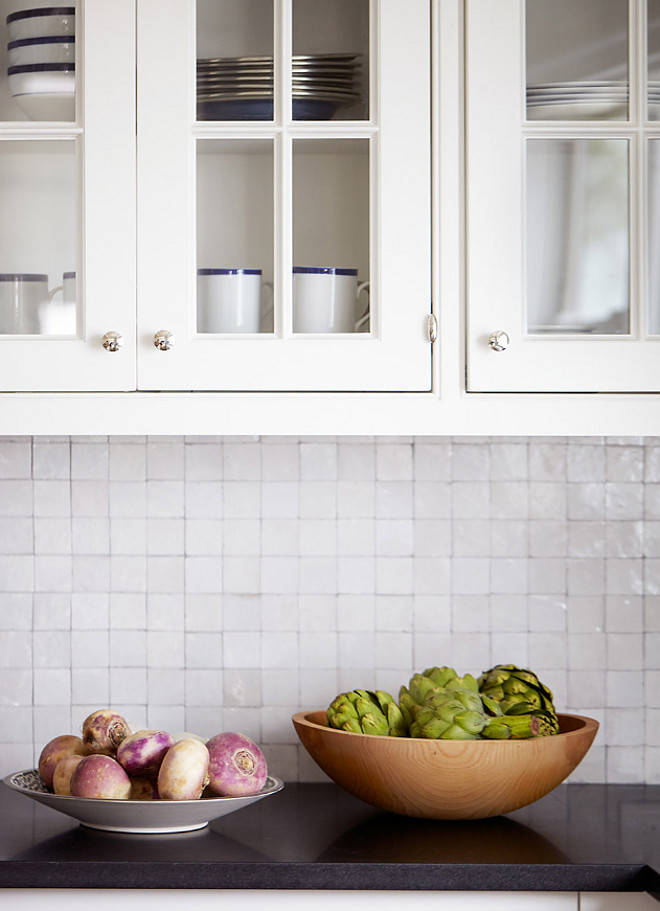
254,900
563,134
67,192
279,192
140,192
335,179
617,901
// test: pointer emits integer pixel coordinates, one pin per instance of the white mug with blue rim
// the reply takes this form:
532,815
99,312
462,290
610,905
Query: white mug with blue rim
325,299
229,300
22,298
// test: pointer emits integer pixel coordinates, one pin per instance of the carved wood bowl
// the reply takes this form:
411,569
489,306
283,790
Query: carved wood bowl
446,779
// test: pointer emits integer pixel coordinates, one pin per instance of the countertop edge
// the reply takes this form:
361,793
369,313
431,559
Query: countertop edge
333,876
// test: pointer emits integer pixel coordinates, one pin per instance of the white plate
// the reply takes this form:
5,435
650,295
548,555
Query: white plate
577,111
140,817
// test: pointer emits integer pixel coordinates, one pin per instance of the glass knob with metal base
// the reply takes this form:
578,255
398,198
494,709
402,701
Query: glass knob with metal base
499,340
164,340
112,341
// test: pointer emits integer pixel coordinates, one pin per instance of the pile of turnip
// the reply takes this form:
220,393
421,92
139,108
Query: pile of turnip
110,761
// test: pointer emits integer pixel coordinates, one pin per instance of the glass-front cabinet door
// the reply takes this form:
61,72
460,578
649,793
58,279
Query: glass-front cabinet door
67,222
284,195
563,195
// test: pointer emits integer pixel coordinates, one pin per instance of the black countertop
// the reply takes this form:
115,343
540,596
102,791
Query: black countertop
316,836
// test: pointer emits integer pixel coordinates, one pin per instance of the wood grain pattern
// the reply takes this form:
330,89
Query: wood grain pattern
446,779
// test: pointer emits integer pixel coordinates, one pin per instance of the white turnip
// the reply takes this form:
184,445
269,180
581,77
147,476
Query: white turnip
186,735
103,731
56,750
237,766
142,753
143,788
100,776
63,772
183,773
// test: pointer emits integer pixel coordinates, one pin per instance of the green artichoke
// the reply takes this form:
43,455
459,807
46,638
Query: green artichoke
521,695
438,704
367,712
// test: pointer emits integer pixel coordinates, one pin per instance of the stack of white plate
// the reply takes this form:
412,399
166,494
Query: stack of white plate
41,57
602,100
241,88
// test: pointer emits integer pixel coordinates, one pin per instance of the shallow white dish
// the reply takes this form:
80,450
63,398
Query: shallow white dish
577,111
35,79
139,817
48,105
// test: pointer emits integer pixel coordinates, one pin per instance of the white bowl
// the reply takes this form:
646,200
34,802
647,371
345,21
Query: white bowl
48,105
41,22
53,49
143,817
39,78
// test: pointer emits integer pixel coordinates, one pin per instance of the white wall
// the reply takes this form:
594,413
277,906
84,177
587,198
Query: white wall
223,583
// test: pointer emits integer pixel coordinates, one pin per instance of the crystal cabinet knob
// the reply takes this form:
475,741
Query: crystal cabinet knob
164,340
112,341
499,340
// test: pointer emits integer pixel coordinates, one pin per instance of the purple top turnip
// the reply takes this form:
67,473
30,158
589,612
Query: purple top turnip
57,749
143,788
142,753
100,776
103,731
237,766
63,772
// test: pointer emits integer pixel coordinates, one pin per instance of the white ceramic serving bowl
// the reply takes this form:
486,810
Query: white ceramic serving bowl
44,91
41,22
137,817
40,79
53,49
48,106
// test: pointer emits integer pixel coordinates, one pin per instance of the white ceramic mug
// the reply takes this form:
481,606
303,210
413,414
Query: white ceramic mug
58,315
229,300
325,299
22,298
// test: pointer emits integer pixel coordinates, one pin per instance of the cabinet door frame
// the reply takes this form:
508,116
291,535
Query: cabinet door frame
495,226
397,355
104,139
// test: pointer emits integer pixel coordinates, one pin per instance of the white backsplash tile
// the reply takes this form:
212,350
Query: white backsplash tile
204,583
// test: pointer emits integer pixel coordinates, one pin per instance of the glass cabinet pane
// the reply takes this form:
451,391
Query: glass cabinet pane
578,256
654,235
235,60
577,59
235,239
330,236
38,64
38,237
653,46
330,78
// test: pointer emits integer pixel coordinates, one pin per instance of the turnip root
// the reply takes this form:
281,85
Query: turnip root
143,788
63,772
183,773
56,750
186,735
237,766
103,731
100,776
142,753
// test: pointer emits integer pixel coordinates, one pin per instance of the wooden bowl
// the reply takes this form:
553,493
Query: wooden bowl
446,779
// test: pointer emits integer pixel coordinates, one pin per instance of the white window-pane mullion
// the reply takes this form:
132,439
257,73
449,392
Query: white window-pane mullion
283,167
